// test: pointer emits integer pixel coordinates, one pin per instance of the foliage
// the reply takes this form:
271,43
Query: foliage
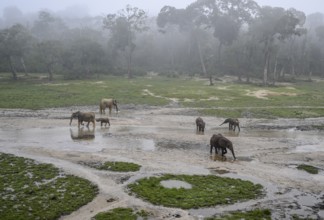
30,190
206,191
308,168
258,214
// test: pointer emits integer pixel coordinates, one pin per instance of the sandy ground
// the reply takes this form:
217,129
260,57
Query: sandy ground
164,140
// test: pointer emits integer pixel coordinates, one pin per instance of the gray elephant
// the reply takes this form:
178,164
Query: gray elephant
219,142
232,123
103,121
84,117
200,124
107,103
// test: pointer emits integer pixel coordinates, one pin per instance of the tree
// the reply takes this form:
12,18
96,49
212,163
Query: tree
48,53
14,42
191,20
123,26
274,24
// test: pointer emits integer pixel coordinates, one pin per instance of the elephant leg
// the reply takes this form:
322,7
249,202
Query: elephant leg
211,149
224,151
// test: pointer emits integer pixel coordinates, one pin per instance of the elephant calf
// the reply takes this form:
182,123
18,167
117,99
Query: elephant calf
232,123
107,103
103,121
84,116
218,141
200,124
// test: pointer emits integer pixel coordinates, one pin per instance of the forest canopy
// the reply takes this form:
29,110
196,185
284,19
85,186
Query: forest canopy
208,38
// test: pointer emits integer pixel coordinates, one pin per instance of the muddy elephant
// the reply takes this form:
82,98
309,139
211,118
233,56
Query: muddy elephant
103,121
219,142
84,117
107,103
232,123
200,124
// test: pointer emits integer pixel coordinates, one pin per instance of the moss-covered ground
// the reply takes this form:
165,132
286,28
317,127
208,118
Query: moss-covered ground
258,214
308,168
116,166
121,214
206,191
31,190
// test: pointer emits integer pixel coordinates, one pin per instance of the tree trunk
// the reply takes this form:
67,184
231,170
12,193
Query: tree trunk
266,62
265,70
203,67
23,65
50,72
13,69
275,72
129,63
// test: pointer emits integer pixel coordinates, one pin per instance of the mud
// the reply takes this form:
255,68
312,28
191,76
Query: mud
164,140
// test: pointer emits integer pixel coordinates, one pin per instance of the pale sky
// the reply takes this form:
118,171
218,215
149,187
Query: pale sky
103,7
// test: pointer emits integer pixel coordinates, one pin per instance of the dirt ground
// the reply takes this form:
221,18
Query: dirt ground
164,140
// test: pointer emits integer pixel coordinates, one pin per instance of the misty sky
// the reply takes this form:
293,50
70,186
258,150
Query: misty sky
102,7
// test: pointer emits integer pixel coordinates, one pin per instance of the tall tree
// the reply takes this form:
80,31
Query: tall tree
274,24
14,42
123,26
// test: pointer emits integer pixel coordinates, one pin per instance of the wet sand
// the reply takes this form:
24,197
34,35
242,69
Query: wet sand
164,140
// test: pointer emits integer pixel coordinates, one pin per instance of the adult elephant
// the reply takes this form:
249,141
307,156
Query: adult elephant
232,123
218,141
107,103
84,117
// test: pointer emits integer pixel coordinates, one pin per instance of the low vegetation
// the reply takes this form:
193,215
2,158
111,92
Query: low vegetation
206,191
258,214
308,168
115,166
31,190
224,99
121,213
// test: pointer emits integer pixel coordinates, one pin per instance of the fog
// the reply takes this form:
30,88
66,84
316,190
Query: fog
78,40
99,7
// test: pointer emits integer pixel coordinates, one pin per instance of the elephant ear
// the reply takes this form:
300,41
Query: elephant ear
222,142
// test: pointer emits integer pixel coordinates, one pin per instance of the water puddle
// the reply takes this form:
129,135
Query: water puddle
175,184
310,148
71,139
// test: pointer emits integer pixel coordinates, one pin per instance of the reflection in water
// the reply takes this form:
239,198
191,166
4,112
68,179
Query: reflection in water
83,133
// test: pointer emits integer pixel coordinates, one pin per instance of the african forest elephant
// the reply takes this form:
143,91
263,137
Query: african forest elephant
232,123
84,116
103,121
218,141
200,124
107,103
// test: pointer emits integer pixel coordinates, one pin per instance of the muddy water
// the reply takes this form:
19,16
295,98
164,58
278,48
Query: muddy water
165,141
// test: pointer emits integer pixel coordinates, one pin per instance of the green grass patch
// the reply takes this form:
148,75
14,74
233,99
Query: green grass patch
121,213
258,214
206,191
308,168
298,100
115,166
31,190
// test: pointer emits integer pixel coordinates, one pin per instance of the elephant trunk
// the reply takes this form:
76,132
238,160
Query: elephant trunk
71,120
232,150
222,124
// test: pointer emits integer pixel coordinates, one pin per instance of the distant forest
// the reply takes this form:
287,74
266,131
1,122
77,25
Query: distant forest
208,38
